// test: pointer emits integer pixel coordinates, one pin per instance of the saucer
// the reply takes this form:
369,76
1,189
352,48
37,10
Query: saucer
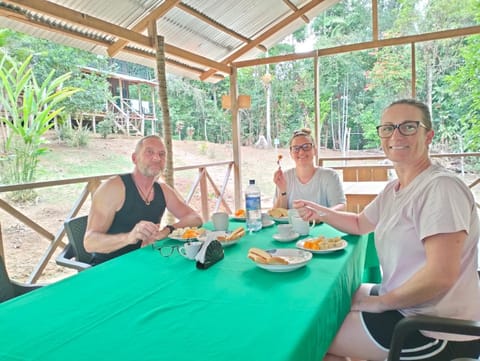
292,237
268,223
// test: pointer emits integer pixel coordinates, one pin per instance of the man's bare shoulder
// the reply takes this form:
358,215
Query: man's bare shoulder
113,184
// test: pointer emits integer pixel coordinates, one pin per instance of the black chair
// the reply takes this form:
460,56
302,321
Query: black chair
429,323
74,254
10,288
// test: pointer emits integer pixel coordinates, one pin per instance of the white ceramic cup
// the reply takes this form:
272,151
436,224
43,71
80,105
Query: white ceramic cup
190,249
299,225
266,218
220,221
285,230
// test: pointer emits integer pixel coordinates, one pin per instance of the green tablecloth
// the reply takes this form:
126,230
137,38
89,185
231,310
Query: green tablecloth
372,272
143,306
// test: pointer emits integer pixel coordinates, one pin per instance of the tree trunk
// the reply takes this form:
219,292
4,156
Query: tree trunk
167,125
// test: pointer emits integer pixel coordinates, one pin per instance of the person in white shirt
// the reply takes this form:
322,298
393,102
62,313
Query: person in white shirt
306,180
426,234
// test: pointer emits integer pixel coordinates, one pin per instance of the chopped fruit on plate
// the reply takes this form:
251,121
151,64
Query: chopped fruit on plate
240,213
188,232
321,243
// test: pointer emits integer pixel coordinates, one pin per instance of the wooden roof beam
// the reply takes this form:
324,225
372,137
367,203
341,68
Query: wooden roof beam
72,16
217,25
294,8
274,29
155,14
403,40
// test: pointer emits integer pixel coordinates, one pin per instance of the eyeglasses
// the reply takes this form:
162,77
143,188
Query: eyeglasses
407,128
305,147
166,251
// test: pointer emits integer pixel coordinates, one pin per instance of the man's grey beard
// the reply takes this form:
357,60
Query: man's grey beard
147,173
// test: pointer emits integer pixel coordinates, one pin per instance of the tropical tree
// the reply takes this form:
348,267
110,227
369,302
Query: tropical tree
464,86
28,108
87,71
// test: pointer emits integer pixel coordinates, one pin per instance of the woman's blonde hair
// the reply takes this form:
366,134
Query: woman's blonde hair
304,132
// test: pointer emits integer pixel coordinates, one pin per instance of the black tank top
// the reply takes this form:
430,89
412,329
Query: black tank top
134,210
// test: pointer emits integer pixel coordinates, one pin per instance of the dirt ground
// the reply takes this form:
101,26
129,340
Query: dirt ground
24,249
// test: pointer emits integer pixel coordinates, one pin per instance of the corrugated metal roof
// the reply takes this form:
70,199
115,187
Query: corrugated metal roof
199,34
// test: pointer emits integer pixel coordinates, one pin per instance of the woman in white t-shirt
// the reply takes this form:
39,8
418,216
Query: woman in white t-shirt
307,181
426,234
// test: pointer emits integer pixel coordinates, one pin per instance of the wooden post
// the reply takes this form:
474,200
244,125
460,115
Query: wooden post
236,139
316,92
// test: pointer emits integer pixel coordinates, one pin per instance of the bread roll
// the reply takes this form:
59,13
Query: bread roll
260,256
278,212
277,260
257,259
260,253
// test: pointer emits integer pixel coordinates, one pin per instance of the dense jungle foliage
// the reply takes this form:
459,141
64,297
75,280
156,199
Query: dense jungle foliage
354,87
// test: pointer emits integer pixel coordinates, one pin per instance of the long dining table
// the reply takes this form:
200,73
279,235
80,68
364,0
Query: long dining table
143,306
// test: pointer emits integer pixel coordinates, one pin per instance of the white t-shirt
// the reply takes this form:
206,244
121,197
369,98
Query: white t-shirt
324,188
435,202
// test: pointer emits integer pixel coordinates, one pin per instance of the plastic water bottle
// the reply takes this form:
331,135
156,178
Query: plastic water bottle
253,207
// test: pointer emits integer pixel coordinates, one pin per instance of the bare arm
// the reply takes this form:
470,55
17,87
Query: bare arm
107,200
186,215
281,183
344,221
338,207
441,270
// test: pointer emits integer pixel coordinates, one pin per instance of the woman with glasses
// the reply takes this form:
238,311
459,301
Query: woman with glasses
426,234
307,181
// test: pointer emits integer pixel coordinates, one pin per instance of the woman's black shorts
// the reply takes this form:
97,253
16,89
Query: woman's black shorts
417,346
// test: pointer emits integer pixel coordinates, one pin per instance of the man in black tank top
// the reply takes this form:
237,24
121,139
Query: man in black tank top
127,209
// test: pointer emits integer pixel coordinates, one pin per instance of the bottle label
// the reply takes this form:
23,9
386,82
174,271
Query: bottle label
252,203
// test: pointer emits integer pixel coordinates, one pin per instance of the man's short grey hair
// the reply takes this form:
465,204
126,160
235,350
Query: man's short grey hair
141,141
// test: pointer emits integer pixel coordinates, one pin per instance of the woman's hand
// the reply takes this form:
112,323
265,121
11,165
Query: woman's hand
309,211
279,180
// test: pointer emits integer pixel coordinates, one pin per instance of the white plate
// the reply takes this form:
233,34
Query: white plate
297,258
290,238
280,219
300,244
268,223
179,238
178,235
239,219
215,234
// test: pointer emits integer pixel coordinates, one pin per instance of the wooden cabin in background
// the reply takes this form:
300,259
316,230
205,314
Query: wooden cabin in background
130,112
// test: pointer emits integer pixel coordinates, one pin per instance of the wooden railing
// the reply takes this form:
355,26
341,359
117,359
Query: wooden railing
55,238
349,160
380,161
201,182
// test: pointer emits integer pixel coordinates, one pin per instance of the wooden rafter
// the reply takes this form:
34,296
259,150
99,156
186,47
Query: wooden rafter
72,16
105,27
472,30
265,35
294,8
155,14
217,25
